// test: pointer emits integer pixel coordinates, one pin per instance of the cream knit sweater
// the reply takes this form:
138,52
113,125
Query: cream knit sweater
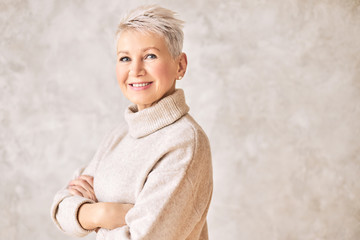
160,162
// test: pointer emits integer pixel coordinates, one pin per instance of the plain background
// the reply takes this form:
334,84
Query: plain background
275,84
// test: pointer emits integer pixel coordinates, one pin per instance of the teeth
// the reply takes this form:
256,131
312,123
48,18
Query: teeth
140,84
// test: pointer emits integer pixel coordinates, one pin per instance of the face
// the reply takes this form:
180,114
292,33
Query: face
145,69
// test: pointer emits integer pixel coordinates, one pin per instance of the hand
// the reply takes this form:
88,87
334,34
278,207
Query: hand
109,215
83,186
113,214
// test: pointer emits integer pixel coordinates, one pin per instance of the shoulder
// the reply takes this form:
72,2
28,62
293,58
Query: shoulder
199,138
199,168
188,133
114,135
191,126
181,145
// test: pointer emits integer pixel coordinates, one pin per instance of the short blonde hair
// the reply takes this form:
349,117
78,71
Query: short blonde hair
157,20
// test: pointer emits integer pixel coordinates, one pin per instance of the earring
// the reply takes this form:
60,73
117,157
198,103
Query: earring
180,77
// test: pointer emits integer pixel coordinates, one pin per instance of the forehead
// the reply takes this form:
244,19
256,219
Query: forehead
133,39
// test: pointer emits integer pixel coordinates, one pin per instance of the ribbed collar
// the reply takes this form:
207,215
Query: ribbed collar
163,113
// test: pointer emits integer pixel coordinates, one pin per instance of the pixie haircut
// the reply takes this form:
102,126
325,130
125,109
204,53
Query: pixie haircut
157,20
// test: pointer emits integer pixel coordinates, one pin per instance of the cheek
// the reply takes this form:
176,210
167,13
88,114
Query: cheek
120,74
163,71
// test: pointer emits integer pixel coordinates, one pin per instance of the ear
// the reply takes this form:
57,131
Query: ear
182,65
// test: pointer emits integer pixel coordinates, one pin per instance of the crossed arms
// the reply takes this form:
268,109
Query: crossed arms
92,216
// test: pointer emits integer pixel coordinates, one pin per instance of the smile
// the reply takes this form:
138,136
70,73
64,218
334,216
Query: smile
140,84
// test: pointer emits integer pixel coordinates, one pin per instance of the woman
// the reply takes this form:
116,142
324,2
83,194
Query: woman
150,179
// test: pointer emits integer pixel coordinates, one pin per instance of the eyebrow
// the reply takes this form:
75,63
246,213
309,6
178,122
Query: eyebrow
143,50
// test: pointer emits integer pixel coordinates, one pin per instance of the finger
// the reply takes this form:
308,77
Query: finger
72,183
84,192
75,192
88,179
84,184
83,188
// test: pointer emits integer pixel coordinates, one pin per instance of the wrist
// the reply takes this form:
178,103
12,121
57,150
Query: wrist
88,215
99,214
112,214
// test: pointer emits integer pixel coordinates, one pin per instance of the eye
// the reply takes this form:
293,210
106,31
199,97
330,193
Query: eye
124,59
150,56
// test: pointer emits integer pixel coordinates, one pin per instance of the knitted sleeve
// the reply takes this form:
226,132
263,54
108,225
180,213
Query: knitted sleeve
175,198
65,206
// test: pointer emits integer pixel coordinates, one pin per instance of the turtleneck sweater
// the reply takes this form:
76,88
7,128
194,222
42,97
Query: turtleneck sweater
160,162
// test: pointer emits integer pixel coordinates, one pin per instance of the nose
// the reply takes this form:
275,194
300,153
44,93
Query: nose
136,68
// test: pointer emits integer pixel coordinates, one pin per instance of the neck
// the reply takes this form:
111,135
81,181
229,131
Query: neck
143,106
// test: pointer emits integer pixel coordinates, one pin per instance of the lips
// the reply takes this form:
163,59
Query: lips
140,84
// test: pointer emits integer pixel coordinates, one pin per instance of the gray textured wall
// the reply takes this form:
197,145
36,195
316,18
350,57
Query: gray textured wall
275,84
